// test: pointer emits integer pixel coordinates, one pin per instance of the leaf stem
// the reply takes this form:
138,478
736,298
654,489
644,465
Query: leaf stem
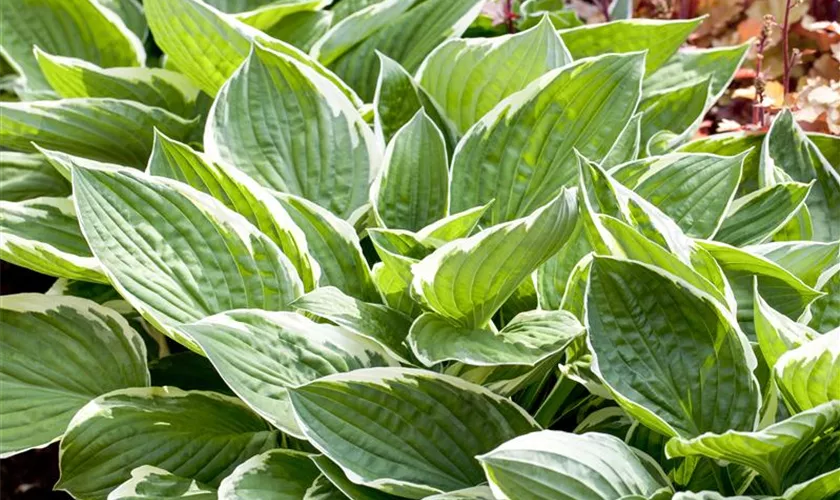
786,50
509,16
552,404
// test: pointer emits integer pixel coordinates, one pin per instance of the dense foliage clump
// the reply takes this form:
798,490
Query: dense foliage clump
312,251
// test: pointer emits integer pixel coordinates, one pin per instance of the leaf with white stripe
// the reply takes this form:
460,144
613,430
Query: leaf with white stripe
59,353
75,28
522,153
113,130
265,17
334,245
24,176
771,452
809,375
555,465
529,338
659,38
293,131
776,333
412,190
153,483
240,193
759,215
302,29
807,260
43,234
275,474
381,324
671,355
692,66
160,88
405,30
174,271
208,45
695,190
334,473
469,76
825,311
193,434
387,445
261,354
397,99
782,290
466,281
675,110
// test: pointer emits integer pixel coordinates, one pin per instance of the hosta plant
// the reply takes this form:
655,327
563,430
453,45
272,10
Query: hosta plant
314,251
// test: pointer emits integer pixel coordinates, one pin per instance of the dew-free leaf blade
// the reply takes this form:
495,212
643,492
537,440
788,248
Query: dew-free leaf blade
564,466
43,234
75,28
467,280
412,189
160,88
696,65
151,483
24,176
641,323
104,129
278,474
216,260
527,339
293,131
757,216
196,435
522,152
261,354
468,77
660,38
809,375
387,446
61,352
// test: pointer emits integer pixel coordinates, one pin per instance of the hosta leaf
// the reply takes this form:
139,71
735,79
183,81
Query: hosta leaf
75,28
693,66
43,234
111,130
782,290
757,216
822,486
261,354
412,190
153,483
776,333
131,13
334,245
527,339
350,489
239,193
553,276
208,45
788,148
397,99
265,17
344,8
660,38
451,228
376,322
216,260
807,260
195,435
623,241
771,451
395,289
641,323
233,6
809,375
24,176
564,466
627,146
523,152
731,144
404,30
829,146
468,77
695,190
825,311
65,163
467,280
270,119
674,110
302,29
482,492
59,353
277,474
160,88
407,432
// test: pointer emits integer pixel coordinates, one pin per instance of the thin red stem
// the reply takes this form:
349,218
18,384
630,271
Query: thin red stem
509,16
605,9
